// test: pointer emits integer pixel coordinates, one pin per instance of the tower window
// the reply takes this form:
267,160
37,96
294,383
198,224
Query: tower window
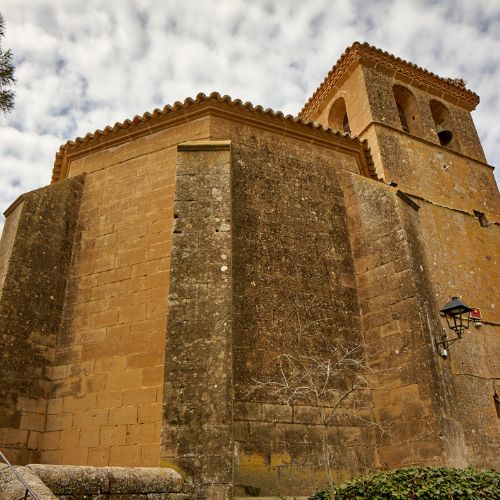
338,119
406,104
442,121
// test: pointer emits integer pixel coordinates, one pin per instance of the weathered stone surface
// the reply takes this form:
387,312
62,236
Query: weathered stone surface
77,480
11,488
291,295
420,265
116,482
143,480
39,246
198,369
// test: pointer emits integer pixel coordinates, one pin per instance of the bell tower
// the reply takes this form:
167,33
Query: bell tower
418,126
423,141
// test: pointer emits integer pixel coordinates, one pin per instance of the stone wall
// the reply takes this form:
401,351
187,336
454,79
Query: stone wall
104,385
107,384
294,301
8,238
400,319
288,273
282,252
50,482
442,410
37,241
352,88
456,176
379,88
448,175
435,173
466,264
198,430
452,247
456,230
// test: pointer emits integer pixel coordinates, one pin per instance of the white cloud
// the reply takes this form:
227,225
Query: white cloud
82,65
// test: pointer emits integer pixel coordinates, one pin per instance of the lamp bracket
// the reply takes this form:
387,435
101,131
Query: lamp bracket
443,344
447,342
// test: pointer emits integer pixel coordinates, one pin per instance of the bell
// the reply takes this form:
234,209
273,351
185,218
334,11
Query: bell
445,136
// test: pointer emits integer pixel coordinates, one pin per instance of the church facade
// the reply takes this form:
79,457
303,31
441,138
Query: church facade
245,296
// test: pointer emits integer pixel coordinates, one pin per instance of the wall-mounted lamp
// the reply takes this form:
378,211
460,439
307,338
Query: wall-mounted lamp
456,313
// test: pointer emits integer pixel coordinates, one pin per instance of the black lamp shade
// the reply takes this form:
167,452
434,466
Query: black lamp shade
455,306
457,315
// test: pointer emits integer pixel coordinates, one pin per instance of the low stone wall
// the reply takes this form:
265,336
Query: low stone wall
11,488
50,482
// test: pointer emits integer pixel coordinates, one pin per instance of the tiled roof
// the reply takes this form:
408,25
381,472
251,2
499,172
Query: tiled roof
358,50
147,120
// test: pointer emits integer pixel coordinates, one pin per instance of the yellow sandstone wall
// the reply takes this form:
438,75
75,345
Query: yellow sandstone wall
287,221
352,89
107,379
435,173
463,258
37,242
107,372
7,242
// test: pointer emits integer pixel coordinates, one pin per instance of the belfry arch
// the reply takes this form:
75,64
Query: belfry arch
443,122
338,118
408,112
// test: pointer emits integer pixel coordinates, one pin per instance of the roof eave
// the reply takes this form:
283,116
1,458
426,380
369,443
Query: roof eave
203,105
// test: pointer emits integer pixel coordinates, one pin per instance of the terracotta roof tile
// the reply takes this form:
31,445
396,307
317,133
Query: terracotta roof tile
214,97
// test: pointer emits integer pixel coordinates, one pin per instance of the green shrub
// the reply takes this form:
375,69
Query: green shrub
420,483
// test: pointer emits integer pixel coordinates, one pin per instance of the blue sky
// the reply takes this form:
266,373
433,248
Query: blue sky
82,65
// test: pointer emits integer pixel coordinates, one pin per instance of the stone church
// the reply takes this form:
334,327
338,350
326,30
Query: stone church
244,297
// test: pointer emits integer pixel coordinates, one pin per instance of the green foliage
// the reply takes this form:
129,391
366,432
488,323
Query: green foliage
6,75
420,483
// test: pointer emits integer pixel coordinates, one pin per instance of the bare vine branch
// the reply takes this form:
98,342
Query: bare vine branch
326,375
